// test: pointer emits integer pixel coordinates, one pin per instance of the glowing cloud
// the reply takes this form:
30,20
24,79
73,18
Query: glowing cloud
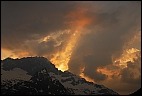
77,21
85,77
128,55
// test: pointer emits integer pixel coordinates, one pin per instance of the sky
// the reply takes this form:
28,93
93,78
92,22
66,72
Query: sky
98,40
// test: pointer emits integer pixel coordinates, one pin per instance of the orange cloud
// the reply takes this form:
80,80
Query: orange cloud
9,53
78,20
84,76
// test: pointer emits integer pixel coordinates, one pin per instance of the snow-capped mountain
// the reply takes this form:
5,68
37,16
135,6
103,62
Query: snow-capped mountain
37,75
39,84
79,86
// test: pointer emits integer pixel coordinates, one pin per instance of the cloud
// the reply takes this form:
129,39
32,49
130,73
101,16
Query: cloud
132,73
113,26
128,78
23,21
45,28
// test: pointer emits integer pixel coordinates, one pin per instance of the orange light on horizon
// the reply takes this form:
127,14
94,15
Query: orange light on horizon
5,53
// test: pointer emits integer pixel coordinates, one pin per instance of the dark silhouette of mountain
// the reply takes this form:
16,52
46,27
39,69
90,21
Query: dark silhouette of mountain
40,84
29,64
137,93
46,79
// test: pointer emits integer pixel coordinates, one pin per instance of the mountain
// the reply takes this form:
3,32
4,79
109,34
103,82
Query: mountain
40,84
38,76
136,93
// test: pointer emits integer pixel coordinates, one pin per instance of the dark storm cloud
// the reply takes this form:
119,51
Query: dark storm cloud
114,24
45,47
132,74
129,79
31,20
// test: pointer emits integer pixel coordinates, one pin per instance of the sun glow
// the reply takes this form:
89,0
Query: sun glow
61,58
78,19
7,53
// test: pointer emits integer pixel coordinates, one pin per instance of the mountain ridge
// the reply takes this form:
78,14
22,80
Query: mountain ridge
70,83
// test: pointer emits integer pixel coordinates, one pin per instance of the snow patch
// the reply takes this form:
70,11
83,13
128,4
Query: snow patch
16,73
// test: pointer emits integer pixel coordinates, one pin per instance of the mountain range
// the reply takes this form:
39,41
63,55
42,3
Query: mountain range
38,76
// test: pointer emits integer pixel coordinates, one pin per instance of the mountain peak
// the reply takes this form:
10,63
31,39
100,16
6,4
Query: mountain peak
30,64
42,73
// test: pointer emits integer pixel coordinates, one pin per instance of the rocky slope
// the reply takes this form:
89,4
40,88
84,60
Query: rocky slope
38,76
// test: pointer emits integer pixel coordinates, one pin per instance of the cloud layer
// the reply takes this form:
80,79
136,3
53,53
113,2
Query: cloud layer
106,29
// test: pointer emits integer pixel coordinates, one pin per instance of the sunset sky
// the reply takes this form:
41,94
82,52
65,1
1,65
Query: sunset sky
98,40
